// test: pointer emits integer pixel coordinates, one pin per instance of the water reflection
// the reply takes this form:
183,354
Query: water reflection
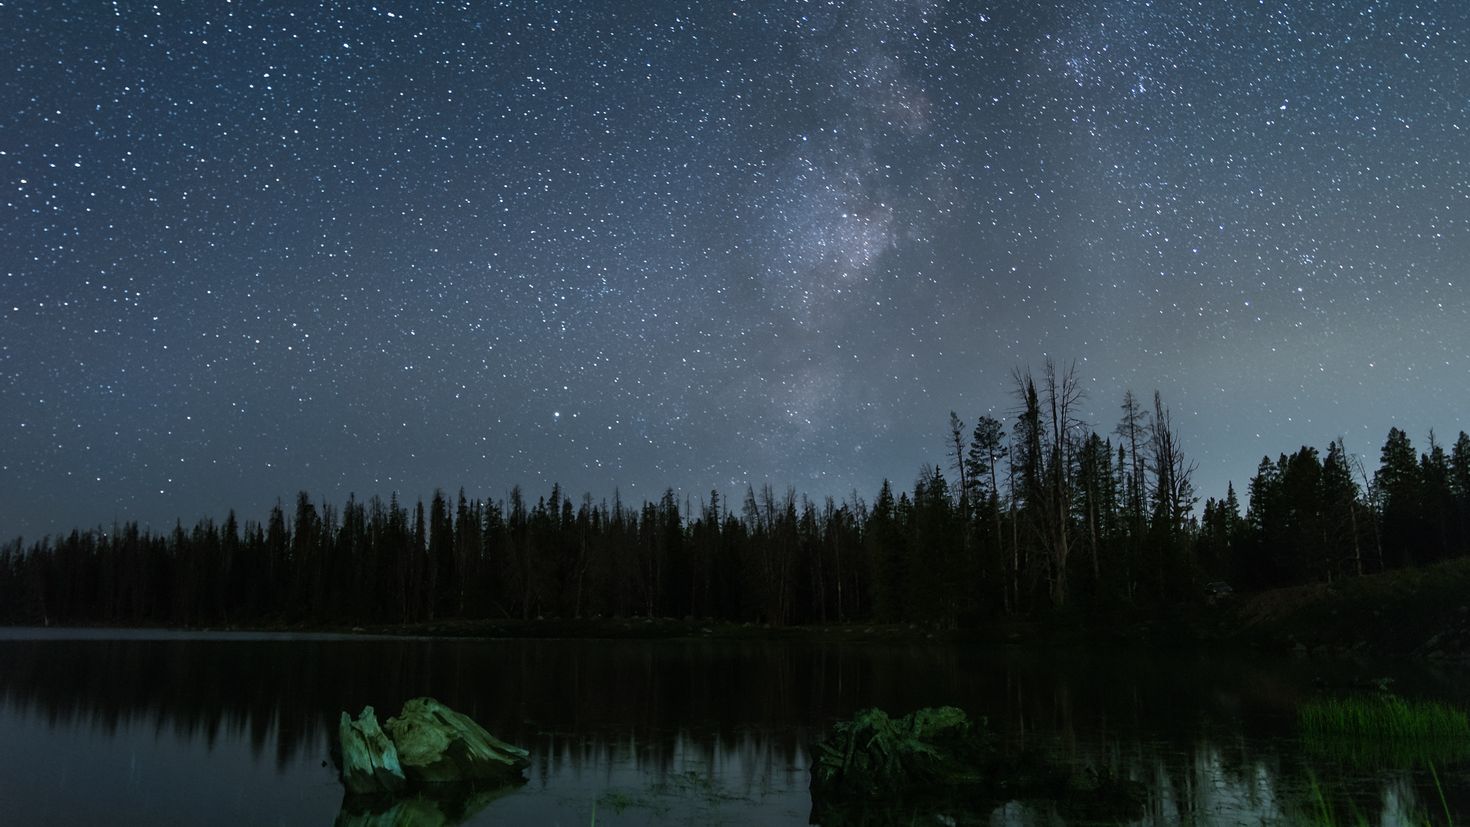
441,808
653,732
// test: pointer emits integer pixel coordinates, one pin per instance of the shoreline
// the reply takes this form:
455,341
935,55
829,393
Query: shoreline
1421,613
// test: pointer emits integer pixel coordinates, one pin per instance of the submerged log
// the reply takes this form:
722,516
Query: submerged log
437,745
369,759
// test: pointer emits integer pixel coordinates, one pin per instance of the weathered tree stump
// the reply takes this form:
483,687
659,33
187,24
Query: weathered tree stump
369,759
437,745
430,766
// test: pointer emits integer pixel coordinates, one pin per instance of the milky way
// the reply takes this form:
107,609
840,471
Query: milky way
252,248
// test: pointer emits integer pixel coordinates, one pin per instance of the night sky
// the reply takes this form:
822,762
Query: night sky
251,248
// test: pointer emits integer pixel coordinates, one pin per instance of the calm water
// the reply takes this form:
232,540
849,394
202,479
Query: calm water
161,728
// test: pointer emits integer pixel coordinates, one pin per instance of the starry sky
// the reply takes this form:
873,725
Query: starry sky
251,248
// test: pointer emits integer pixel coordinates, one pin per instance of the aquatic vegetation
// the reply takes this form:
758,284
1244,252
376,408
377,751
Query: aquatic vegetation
676,790
615,800
1338,809
937,763
1375,732
694,785
873,753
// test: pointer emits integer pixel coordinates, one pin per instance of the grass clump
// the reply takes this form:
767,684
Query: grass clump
1382,716
1384,729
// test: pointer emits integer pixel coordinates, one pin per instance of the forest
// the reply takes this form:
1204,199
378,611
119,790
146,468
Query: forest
1040,514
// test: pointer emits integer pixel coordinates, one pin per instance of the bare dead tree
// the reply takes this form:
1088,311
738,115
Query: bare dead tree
1172,487
1049,429
1373,494
1132,430
1013,594
957,445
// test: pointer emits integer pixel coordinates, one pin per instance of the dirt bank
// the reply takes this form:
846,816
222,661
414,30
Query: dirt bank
1422,613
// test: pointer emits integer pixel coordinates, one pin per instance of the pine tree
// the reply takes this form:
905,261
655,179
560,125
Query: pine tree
1399,490
1460,488
884,544
1341,506
1437,500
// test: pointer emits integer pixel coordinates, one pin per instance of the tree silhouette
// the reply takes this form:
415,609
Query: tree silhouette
998,540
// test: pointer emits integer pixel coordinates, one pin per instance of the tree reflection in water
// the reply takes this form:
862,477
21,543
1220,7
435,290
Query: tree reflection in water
615,721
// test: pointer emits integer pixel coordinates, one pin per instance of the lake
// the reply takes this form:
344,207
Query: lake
163,728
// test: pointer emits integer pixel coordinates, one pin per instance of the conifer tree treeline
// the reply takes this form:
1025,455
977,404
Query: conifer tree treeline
1039,513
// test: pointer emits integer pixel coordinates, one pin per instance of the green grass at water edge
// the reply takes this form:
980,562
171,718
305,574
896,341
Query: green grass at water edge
1384,731
1382,716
